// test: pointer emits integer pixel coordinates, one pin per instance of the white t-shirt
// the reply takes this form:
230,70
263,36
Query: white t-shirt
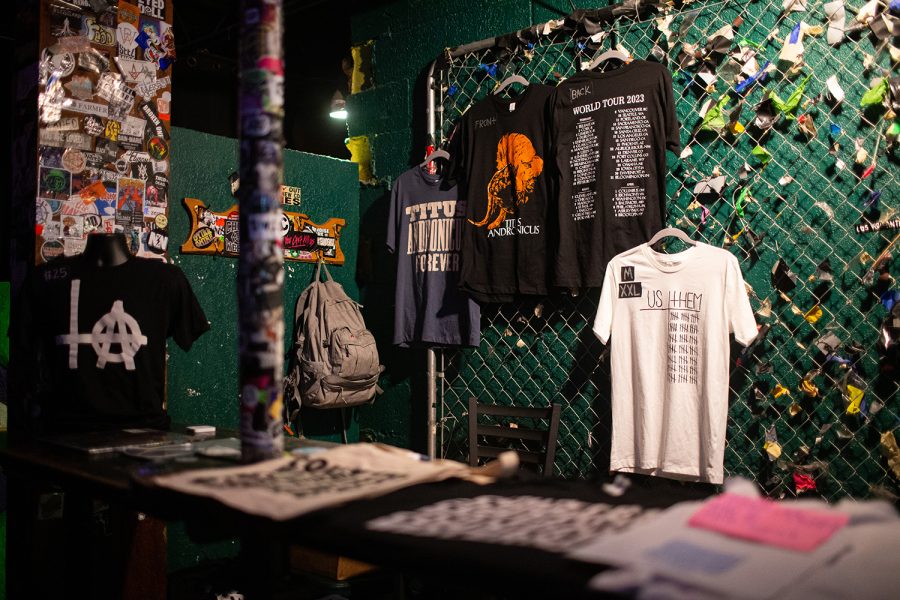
669,316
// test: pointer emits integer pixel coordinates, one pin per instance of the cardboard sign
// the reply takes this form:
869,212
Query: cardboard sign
217,233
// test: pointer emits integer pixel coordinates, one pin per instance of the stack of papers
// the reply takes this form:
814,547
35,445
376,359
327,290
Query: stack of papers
735,546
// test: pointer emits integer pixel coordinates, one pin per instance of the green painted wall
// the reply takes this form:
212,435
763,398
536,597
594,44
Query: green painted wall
202,383
408,35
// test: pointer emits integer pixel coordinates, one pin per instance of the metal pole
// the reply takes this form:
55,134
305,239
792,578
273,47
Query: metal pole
432,401
442,375
260,277
432,395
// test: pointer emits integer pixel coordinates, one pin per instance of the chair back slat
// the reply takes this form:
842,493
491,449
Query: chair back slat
493,432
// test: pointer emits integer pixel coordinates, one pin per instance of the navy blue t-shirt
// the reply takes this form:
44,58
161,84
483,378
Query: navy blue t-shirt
424,229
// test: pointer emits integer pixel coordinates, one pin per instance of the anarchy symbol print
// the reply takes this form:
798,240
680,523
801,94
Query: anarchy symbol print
115,329
517,162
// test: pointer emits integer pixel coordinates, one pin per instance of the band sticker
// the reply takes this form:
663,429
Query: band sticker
147,90
97,33
64,124
291,195
62,63
137,71
74,160
93,61
81,87
149,112
89,108
153,8
54,184
130,201
129,13
51,249
126,33
72,226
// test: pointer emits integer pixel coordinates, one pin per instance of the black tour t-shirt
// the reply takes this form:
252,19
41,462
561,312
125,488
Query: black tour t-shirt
424,227
610,133
99,339
499,160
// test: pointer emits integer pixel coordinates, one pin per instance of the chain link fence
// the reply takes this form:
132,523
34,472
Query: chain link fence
797,198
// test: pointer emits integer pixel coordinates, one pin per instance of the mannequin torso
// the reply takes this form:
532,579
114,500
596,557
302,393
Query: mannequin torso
106,249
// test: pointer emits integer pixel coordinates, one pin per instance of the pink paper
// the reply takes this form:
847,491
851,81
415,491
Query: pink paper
768,522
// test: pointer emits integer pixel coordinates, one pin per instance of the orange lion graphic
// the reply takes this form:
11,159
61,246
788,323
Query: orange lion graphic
515,158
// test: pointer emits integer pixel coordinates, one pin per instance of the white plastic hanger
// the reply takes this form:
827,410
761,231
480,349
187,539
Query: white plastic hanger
672,232
609,55
439,153
509,81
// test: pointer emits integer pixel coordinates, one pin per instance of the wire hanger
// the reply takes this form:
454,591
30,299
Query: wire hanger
509,81
609,55
439,153
672,232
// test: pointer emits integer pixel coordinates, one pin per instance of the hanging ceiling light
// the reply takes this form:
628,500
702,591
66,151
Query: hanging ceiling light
338,106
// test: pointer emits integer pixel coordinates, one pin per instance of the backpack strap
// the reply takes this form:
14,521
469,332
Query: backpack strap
300,305
325,267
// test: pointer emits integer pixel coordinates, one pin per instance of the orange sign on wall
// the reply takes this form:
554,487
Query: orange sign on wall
217,233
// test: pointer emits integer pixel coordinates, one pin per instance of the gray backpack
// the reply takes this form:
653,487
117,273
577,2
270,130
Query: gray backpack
334,360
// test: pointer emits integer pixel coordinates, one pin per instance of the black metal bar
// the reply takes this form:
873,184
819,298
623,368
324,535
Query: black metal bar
635,8
528,456
516,433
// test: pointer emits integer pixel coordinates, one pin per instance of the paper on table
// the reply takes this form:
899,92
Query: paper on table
284,488
767,522
869,570
668,549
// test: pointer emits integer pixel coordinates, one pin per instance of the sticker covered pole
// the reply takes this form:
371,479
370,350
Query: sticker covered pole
260,278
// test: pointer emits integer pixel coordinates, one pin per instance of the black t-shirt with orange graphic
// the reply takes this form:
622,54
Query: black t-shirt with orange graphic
499,160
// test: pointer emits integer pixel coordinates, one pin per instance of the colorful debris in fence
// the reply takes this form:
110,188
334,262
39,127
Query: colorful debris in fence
787,107
891,451
771,445
804,483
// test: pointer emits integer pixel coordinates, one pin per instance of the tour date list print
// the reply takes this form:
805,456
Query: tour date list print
217,233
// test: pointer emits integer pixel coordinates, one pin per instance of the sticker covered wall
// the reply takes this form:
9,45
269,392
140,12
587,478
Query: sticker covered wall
103,143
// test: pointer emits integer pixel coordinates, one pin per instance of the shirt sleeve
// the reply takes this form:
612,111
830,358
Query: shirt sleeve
603,320
393,218
737,305
187,322
673,127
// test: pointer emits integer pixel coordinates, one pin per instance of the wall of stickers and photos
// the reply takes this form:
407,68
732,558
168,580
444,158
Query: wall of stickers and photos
104,110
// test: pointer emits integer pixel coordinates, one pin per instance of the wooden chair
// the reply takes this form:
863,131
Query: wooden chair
506,431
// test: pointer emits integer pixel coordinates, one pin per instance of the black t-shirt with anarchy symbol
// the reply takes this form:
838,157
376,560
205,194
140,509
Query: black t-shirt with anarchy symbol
96,340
